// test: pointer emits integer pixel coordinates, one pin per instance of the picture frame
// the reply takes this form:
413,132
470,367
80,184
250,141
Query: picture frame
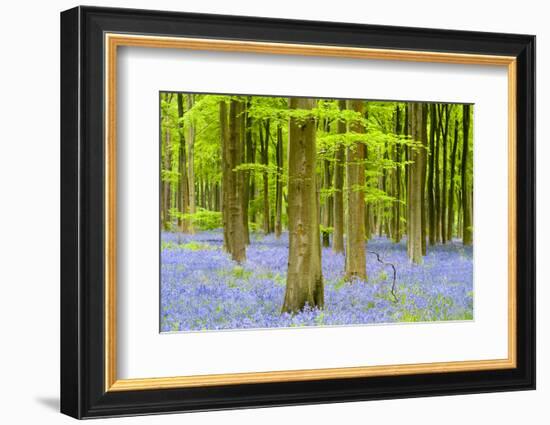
90,39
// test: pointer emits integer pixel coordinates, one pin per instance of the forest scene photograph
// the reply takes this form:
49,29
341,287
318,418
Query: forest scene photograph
280,212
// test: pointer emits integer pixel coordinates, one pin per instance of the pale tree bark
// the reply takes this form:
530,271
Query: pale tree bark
467,232
385,221
304,283
327,209
408,184
356,267
279,187
264,153
451,215
166,166
191,161
397,181
226,176
431,172
447,110
437,185
424,159
414,224
166,184
248,158
338,232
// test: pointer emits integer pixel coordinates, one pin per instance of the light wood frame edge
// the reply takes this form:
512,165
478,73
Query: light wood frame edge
113,41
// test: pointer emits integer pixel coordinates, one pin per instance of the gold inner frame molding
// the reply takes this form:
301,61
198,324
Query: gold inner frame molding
113,41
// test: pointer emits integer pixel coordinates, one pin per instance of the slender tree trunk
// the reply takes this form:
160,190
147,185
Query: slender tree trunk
450,218
408,174
202,188
226,176
459,216
437,185
279,187
444,182
338,233
264,152
431,171
467,232
217,197
424,159
396,214
237,130
232,145
385,188
191,161
414,225
304,283
325,217
251,152
249,159
183,186
166,219
398,155
356,267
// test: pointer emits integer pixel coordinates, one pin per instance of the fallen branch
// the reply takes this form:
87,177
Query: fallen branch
394,273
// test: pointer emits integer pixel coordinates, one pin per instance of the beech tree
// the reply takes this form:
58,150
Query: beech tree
233,182
183,183
279,184
264,153
414,224
339,159
304,283
356,267
451,197
467,233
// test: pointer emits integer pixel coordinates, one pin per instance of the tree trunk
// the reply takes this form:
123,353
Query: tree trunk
304,283
338,232
166,184
444,182
183,188
414,225
424,159
385,188
191,160
217,197
327,206
431,172
226,176
249,159
232,145
356,267
397,181
279,187
437,186
450,217
264,152
467,232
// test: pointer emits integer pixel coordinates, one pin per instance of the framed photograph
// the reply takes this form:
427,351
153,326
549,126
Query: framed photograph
261,212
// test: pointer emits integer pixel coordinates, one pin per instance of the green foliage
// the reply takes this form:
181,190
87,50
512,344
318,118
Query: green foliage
201,220
189,246
387,149
326,230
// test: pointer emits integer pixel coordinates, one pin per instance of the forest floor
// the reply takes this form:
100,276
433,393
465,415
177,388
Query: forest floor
203,289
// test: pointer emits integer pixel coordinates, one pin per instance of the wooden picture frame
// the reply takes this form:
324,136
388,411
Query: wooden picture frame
90,38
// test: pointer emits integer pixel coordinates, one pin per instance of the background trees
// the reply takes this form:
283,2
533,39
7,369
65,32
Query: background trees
344,170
